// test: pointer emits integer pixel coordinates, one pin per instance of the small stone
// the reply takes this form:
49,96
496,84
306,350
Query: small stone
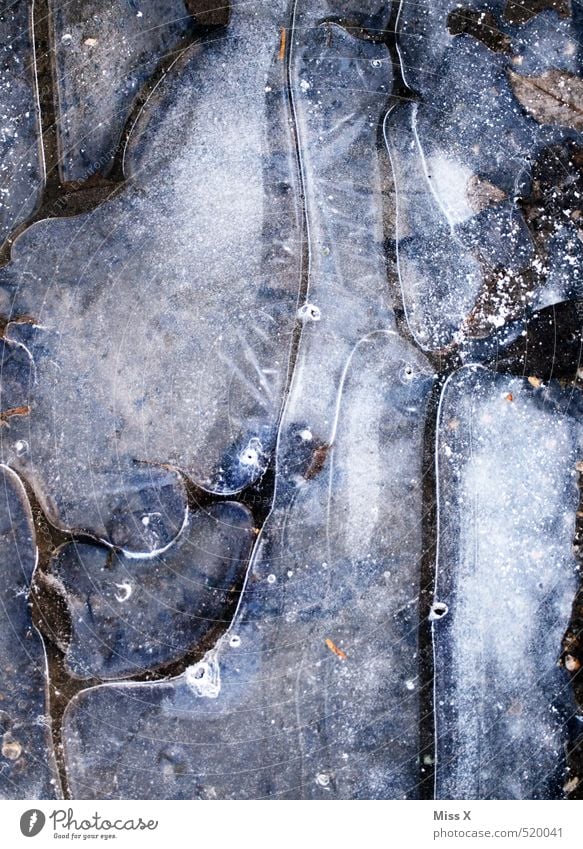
572,664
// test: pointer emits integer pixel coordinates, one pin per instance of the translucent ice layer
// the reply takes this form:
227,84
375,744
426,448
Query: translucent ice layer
505,584
313,692
468,259
104,53
27,767
21,163
130,615
162,322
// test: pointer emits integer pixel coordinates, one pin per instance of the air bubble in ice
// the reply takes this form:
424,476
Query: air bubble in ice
407,373
125,591
204,677
249,457
309,312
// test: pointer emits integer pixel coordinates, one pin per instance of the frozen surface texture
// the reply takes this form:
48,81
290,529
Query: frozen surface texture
341,82
130,615
21,165
313,692
468,259
104,53
161,322
507,501
292,225
27,769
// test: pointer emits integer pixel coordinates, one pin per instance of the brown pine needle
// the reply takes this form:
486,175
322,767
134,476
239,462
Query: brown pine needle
334,648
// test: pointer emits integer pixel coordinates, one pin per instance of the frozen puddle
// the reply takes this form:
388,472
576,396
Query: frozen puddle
473,250
314,690
27,767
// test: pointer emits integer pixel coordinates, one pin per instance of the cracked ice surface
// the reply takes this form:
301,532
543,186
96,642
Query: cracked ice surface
21,166
104,53
466,258
162,321
507,501
129,615
27,768
313,692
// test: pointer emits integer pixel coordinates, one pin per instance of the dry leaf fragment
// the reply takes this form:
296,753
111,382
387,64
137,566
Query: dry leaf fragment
13,411
571,784
554,97
535,381
481,193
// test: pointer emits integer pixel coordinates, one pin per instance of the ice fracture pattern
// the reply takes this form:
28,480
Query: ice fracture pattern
506,577
291,399
21,160
27,765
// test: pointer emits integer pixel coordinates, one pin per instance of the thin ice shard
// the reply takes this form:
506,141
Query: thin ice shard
27,766
164,319
21,164
104,53
130,615
507,501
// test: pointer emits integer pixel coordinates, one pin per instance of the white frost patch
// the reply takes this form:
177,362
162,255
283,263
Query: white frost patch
449,180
